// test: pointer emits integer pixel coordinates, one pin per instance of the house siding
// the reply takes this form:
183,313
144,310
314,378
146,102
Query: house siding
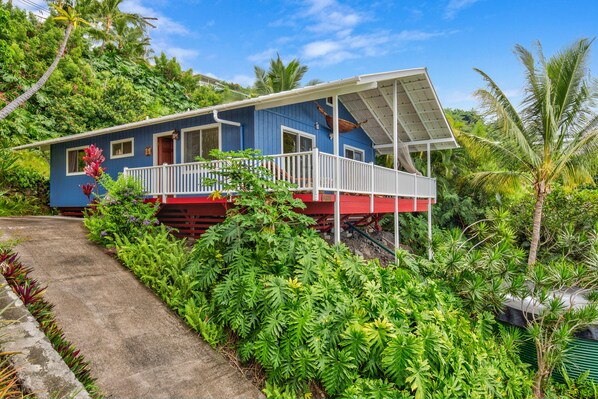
261,130
303,117
65,191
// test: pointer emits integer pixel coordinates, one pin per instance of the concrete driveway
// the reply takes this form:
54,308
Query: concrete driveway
137,347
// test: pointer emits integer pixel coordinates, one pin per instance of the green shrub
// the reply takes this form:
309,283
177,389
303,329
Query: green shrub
121,211
309,312
567,218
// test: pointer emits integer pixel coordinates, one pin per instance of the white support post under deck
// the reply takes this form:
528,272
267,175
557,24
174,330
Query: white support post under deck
395,150
337,169
316,174
430,253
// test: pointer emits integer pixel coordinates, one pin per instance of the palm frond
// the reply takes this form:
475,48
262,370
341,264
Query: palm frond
497,104
500,180
503,153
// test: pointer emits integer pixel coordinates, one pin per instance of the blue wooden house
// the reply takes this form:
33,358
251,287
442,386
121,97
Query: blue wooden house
313,134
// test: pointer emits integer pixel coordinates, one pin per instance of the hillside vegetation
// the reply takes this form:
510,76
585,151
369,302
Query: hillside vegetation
91,88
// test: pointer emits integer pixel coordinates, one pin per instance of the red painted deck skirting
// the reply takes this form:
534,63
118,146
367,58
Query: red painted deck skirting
350,204
192,216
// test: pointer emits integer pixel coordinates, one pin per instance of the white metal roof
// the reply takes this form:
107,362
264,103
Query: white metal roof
421,119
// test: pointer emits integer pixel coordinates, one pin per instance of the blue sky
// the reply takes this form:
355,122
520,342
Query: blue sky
343,38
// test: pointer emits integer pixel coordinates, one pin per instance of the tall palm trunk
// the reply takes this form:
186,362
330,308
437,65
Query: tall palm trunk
17,102
537,222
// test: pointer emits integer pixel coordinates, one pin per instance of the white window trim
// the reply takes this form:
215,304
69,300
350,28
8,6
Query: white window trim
132,154
354,149
200,127
67,160
155,146
284,128
329,103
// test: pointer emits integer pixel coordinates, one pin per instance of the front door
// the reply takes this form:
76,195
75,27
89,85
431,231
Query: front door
165,150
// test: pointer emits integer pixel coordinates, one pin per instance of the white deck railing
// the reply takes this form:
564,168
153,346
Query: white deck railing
311,171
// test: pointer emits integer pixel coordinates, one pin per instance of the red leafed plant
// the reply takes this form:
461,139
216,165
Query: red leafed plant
87,189
93,161
93,168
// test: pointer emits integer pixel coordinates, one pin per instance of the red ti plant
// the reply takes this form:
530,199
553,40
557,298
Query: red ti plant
93,168
93,161
87,189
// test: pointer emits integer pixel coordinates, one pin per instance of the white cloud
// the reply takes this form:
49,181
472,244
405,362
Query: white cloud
320,48
263,56
334,51
164,24
455,6
183,55
328,16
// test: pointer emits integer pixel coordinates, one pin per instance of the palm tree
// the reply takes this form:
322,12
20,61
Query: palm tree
553,136
131,40
279,77
109,14
71,17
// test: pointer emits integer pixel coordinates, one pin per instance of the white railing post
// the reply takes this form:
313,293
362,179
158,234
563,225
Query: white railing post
164,182
372,187
316,173
125,171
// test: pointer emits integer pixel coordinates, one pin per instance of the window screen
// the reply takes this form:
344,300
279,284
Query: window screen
122,149
199,143
75,163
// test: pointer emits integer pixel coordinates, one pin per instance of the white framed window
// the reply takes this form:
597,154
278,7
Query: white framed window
74,161
296,141
199,141
354,153
329,101
122,148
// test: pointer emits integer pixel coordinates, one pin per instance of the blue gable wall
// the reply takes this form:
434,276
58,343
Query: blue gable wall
65,191
303,116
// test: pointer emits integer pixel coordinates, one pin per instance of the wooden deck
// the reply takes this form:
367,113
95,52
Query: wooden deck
192,216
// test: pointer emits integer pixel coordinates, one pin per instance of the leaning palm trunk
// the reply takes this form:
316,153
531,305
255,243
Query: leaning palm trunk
537,223
17,102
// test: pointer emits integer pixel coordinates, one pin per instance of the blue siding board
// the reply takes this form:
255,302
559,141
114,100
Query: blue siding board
303,117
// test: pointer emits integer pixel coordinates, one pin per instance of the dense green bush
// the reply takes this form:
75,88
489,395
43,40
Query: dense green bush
121,211
309,312
568,218
23,189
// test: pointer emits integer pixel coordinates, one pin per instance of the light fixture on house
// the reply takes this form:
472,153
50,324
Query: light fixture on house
175,134
148,151
317,125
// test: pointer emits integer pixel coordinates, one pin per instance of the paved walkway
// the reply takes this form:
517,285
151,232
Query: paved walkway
136,345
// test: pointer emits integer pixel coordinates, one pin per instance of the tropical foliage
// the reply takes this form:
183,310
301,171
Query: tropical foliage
279,77
315,315
554,137
121,211
90,88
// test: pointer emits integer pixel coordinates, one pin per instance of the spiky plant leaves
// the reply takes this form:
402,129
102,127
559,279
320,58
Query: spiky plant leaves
355,341
338,371
276,291
418,375
301,324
